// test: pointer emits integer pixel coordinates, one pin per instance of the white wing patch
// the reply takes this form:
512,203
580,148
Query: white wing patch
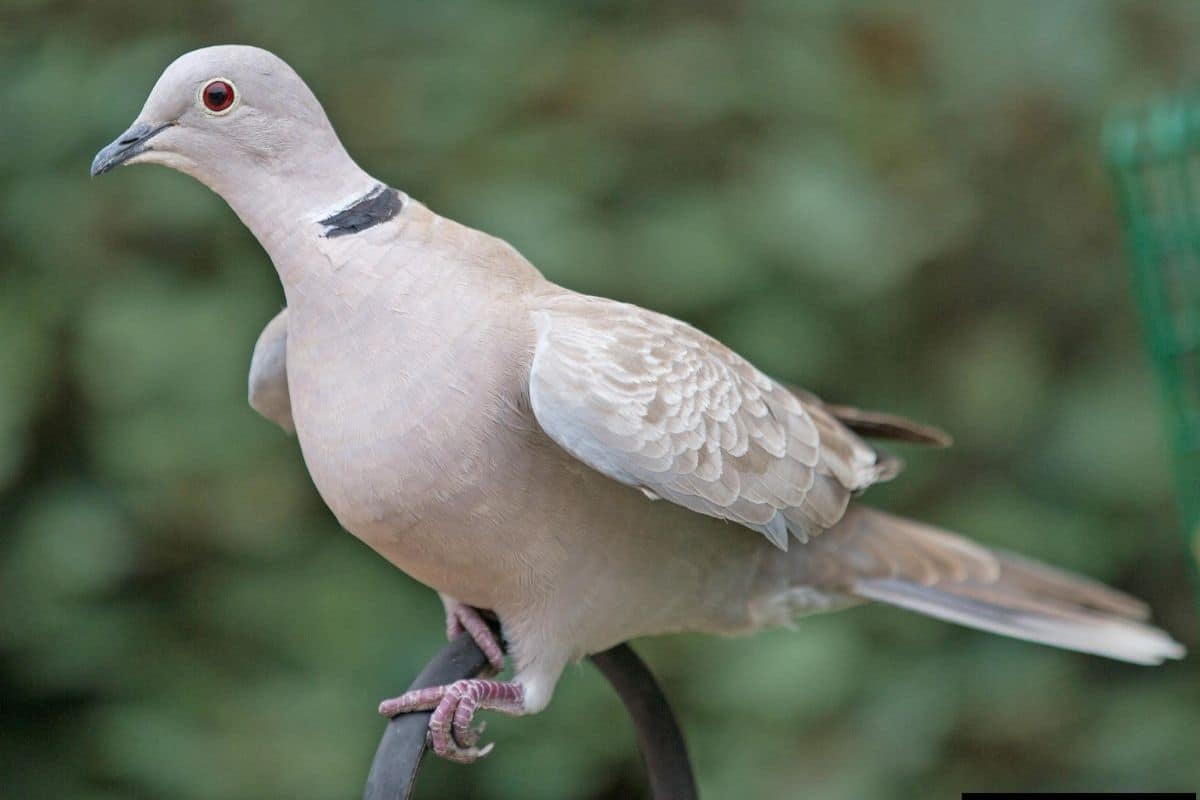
656,404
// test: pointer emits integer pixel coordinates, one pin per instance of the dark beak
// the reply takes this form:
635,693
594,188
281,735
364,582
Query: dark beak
128,145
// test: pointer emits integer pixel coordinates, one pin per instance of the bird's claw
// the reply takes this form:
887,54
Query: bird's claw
454,705
463,618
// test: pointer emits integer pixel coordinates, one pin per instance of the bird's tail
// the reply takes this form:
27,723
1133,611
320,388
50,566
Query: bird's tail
880,557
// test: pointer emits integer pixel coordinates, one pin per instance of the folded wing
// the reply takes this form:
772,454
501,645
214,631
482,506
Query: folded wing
654,403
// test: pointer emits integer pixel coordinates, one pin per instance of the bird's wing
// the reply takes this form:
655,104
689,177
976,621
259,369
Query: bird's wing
268,386
880,424
654,403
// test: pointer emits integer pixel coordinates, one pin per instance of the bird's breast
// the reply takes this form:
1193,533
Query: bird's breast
410,426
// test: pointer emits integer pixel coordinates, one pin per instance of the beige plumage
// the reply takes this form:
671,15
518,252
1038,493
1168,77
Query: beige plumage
587,470
655,404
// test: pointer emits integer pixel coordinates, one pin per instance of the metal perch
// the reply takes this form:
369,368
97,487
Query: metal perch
393,773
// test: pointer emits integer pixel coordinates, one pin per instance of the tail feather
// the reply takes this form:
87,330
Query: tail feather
1034,621
1028,576
924,569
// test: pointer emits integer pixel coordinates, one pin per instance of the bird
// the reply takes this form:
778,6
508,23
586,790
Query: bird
579,470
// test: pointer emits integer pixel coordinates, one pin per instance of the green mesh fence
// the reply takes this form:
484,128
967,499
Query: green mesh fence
1154,155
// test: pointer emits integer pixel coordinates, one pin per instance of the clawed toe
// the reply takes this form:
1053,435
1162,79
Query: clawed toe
415,700
465,618
454,706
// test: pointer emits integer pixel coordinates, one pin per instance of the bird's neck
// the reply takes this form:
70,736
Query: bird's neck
284,207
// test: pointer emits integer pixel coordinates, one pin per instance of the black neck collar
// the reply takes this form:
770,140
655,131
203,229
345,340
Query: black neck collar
376,206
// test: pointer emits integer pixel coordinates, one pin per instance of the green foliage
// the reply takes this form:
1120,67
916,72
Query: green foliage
898,207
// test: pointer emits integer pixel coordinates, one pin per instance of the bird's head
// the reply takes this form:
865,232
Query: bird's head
242,122
226,113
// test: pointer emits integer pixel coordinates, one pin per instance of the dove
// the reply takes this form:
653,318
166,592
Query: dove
581,470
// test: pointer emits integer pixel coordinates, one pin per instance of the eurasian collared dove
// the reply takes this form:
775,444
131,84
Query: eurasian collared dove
586,470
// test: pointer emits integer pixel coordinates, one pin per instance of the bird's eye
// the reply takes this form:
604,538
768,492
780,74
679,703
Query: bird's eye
217,96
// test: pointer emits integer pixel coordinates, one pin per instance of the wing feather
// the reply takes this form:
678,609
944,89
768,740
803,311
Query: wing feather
656,404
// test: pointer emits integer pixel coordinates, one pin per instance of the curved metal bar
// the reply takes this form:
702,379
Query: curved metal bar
398,758
658,735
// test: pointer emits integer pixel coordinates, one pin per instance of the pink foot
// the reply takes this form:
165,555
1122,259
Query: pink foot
461,618
450,730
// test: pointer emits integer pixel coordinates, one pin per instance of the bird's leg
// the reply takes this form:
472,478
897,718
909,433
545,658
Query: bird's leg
454,705
461,617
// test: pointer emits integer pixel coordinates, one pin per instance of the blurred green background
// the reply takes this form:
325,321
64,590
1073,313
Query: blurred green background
897,205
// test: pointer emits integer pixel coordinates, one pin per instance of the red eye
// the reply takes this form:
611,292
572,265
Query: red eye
218,96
